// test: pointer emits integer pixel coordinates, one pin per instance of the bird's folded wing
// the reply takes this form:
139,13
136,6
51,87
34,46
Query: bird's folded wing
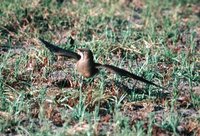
59,51
123,72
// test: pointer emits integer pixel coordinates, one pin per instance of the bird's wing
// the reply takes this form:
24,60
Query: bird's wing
123,72
59,51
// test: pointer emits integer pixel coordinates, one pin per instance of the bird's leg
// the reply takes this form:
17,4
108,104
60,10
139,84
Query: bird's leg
81,82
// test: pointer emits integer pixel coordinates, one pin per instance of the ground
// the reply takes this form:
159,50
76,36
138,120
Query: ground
43,94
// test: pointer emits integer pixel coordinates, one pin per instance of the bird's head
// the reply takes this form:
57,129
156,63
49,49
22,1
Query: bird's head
85,53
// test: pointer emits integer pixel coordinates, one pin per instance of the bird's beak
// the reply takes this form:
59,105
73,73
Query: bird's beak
79,51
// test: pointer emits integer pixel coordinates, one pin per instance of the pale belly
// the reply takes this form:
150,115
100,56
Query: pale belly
86,69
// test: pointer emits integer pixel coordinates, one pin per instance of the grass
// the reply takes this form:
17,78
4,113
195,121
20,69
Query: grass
42,94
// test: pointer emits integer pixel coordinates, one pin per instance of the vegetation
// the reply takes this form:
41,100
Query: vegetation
42,94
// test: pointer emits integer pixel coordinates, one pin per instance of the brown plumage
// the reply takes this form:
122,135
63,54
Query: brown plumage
85,63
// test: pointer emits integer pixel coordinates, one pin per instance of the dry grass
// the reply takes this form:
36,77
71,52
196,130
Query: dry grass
42,94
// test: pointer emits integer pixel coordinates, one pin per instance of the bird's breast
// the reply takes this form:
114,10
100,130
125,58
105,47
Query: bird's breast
86,68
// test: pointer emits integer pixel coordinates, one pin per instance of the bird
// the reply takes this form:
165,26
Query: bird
86,66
